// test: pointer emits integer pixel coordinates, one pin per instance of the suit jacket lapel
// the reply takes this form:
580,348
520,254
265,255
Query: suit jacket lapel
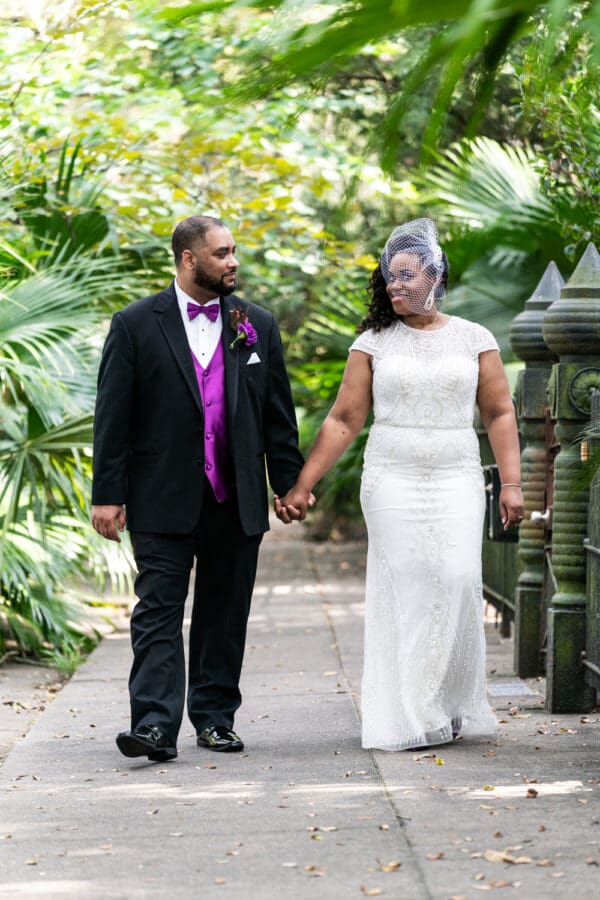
169,320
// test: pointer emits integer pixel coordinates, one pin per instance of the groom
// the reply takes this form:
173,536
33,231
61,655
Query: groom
193,399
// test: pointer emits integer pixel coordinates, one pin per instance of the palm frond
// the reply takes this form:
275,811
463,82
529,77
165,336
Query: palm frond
313,41
482,183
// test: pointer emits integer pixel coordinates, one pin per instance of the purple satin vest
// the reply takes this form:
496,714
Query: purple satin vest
217,461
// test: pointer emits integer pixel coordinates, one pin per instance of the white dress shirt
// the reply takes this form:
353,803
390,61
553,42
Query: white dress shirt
202,334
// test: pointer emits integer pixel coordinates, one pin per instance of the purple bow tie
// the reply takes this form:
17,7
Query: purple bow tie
193,310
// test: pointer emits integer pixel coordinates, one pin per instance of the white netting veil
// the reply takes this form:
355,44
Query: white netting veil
413,266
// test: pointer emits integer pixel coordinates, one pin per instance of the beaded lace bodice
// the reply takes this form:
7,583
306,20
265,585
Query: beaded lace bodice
425,383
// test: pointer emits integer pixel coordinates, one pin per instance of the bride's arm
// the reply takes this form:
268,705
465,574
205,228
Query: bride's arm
498,416
343,422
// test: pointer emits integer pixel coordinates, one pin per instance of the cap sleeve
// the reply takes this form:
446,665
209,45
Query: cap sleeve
483,340
367,342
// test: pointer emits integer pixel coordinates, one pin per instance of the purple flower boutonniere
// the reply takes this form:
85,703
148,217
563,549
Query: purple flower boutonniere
245,332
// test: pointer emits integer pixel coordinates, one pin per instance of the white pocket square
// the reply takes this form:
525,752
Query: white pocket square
253,359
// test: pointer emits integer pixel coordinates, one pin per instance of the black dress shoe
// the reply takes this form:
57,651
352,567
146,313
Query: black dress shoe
220,738
147,740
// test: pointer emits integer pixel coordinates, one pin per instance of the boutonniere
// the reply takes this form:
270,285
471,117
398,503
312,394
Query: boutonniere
245,332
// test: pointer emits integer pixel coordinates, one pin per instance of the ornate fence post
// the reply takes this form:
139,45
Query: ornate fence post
591,659
531,401
571,329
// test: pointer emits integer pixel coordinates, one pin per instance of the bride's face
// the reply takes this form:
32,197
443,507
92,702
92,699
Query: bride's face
410,285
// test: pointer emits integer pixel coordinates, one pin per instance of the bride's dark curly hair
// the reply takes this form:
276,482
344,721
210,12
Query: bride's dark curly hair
380,312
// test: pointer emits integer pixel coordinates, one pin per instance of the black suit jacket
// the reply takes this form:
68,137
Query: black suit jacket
148,431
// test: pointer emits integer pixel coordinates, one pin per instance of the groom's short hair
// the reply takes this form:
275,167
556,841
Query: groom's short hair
190,231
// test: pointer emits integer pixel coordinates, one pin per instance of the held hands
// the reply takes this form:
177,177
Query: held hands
511,506
107,519
294,506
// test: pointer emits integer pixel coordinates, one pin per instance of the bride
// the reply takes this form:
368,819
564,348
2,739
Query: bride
421,494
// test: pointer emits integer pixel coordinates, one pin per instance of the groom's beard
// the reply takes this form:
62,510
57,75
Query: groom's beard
218,285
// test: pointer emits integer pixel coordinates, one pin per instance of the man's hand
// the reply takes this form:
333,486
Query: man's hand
107,519
294,506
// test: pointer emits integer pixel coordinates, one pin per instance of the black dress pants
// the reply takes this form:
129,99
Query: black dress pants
225,572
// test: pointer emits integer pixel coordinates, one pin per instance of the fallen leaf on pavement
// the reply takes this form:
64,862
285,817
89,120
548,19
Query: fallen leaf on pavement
592,862
384,827
488,787
316,871
389,867
370,892
494,855
531,792
544,862
220,880
439,761
434,856
505,856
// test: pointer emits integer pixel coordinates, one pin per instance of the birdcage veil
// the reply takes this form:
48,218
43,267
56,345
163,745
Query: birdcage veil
413,265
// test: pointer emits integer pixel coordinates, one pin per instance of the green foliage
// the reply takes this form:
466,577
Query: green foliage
69,655
465,52
54,271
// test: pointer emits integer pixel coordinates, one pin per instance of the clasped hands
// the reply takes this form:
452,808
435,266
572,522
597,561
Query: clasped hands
295,505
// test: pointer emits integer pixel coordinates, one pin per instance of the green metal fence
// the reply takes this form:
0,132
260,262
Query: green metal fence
500,561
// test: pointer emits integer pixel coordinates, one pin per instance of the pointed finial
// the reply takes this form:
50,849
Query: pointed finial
587,271
548,288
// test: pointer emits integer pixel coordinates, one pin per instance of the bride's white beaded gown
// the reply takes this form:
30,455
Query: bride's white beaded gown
423,501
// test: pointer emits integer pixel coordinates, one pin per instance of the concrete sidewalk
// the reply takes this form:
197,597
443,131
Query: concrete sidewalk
304,812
